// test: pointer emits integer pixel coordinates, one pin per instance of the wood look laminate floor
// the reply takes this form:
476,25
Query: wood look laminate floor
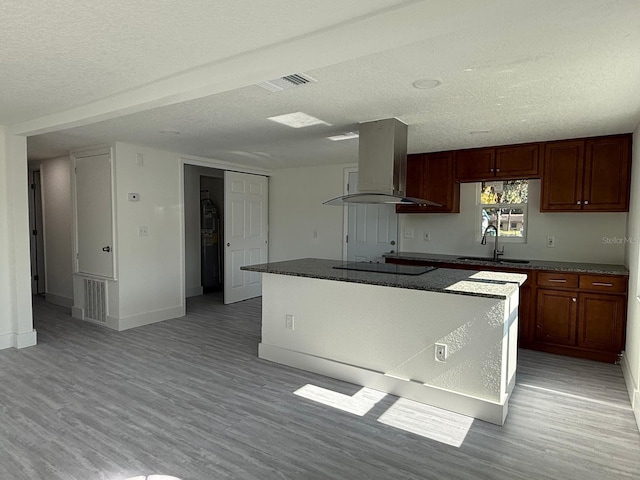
189,398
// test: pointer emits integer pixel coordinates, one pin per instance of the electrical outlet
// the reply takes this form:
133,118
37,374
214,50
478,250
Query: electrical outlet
289,322
143,231
551,242
408,233
441,352
427,237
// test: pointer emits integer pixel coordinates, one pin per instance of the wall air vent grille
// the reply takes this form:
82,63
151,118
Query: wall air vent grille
95,300
287,82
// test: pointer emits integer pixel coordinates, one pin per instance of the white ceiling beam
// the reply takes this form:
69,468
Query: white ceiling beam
402,24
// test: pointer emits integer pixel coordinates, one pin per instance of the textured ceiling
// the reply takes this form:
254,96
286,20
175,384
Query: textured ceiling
511,71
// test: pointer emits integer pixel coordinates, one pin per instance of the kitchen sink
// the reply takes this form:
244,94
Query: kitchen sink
477,259
490,259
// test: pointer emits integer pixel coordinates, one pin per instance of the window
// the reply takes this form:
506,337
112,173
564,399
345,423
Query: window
504,205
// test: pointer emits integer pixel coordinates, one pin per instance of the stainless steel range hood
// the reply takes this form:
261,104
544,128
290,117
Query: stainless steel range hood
382,166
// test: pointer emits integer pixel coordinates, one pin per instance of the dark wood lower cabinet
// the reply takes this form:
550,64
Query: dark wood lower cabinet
601,321
578,315
556,315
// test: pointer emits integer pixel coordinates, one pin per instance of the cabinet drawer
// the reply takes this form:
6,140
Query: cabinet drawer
603,283
557,280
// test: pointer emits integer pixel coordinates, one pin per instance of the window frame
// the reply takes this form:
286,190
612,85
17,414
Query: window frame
505,238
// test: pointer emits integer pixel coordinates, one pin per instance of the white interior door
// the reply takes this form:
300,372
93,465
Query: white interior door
94,222
245,233
372,229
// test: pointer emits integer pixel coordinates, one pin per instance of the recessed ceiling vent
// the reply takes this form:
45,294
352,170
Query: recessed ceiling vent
287,83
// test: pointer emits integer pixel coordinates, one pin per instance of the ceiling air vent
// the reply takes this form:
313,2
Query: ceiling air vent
286,83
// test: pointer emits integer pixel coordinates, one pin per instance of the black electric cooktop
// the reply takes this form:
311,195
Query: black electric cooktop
385,268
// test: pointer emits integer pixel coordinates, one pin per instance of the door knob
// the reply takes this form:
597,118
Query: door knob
393,242
106,249
228,244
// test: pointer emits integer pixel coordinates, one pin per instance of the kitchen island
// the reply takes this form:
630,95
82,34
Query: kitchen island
379,330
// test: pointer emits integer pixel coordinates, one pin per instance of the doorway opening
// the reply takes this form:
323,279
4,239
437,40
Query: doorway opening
204,224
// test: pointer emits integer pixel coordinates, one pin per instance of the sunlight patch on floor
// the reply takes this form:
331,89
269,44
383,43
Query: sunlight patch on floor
427,421
358,404
577,397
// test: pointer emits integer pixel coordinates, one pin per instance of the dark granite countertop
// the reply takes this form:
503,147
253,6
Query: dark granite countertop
455,281
573,267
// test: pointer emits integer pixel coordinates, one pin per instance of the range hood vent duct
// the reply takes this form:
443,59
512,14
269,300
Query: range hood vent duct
382,166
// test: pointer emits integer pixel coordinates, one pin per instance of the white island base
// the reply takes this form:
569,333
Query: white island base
384,338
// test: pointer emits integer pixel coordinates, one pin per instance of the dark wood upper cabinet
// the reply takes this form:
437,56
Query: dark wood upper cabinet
430,176
518,161
562,172
607,171
589,175
475,165
508,163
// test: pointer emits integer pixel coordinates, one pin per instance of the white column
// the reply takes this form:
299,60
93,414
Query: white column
16,317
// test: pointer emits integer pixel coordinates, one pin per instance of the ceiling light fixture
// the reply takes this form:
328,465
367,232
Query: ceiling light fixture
297,120
426,83
344,136
479,132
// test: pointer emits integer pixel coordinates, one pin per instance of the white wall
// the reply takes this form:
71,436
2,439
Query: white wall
296,213
192,230
16,319
578,236
150,268
631,361
55,176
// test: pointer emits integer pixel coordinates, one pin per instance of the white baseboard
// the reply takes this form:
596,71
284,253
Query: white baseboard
18,340
456,402
193,292
150,317
632,388
6,341
59,300
628,378
133,321
636,408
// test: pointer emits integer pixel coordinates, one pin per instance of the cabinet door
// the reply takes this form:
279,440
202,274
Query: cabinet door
430,177
475,164
562,173
415,175
518,161
556,317
606,174
601,322
526,330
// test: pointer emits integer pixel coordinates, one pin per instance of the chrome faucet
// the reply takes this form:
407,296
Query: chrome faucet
496,252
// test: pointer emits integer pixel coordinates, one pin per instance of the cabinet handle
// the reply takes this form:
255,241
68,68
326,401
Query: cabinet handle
601,284
574,299
497,170
557,280
492,170
586,202
578,202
